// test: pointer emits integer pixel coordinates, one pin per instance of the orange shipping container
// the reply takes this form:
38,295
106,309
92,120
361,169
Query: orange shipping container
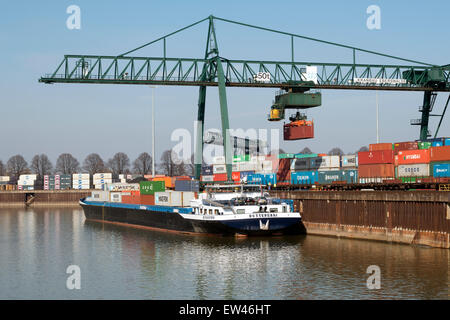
168,181
380,146
376,170
413,156
440,153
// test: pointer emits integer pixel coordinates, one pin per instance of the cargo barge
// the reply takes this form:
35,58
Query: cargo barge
224,211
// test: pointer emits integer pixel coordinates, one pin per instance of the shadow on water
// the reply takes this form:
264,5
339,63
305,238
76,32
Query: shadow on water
206,240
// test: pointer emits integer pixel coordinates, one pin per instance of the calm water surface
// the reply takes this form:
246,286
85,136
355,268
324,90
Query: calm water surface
37,246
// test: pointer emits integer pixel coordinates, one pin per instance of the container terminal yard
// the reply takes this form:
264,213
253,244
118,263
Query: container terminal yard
396,191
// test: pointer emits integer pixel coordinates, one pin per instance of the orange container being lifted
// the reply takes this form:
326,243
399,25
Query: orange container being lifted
297,130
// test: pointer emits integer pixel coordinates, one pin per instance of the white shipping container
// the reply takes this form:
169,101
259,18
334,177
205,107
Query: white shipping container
98,181
187,197
28,177
26,182
219,160
116,196
168,198
4,178
105,175
349,161
247,166
413,170
219,168
208,178
80,176
122,186
267,165
81,187
99,196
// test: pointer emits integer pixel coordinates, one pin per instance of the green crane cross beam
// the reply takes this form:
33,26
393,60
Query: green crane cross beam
244,73
214,70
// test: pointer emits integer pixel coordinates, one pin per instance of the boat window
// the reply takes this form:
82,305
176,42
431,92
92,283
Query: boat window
210,211
273,209
240,211
216,211
201,210
284,209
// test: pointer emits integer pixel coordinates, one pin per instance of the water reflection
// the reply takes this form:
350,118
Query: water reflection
120,262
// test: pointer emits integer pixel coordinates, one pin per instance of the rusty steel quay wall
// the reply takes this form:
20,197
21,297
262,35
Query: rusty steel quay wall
413,217
42,198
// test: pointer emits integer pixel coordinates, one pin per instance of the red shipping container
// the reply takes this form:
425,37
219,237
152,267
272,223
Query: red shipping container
375,157
147,199
440,153
413,156
409,145
284,170
298,132
220,177
380,146
236,176
376,171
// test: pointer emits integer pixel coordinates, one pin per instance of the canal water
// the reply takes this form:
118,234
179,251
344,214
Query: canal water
49,253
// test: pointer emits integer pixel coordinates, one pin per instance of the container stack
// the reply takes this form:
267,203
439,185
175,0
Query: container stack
58,182
412,164
4,182
440,161
100,179
377,164
81,181
26,182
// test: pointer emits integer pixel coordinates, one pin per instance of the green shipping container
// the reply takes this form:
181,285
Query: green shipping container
304,155
286,156
424,145
150,187
241,158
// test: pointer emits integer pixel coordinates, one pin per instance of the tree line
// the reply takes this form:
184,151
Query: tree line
120,163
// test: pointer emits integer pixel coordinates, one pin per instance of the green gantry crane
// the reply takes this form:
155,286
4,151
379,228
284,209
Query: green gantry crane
214,70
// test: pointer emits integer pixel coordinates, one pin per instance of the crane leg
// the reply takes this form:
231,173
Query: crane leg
224,117
425,115
198,157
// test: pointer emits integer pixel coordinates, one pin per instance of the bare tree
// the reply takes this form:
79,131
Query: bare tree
336,152
168,165
16,166
143,164
362,149
67,164
2,169
119,164
94,164
41,165
306,150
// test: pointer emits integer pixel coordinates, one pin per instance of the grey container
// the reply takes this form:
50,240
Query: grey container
187,185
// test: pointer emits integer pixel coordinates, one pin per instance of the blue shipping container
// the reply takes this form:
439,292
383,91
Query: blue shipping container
441,170
447,142
330,176
270,178
304,177
351,176
255,178
246,173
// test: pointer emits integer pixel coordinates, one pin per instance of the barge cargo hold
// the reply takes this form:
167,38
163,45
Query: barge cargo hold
221,213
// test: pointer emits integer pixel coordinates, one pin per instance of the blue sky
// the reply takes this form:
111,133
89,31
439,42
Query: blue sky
81,119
